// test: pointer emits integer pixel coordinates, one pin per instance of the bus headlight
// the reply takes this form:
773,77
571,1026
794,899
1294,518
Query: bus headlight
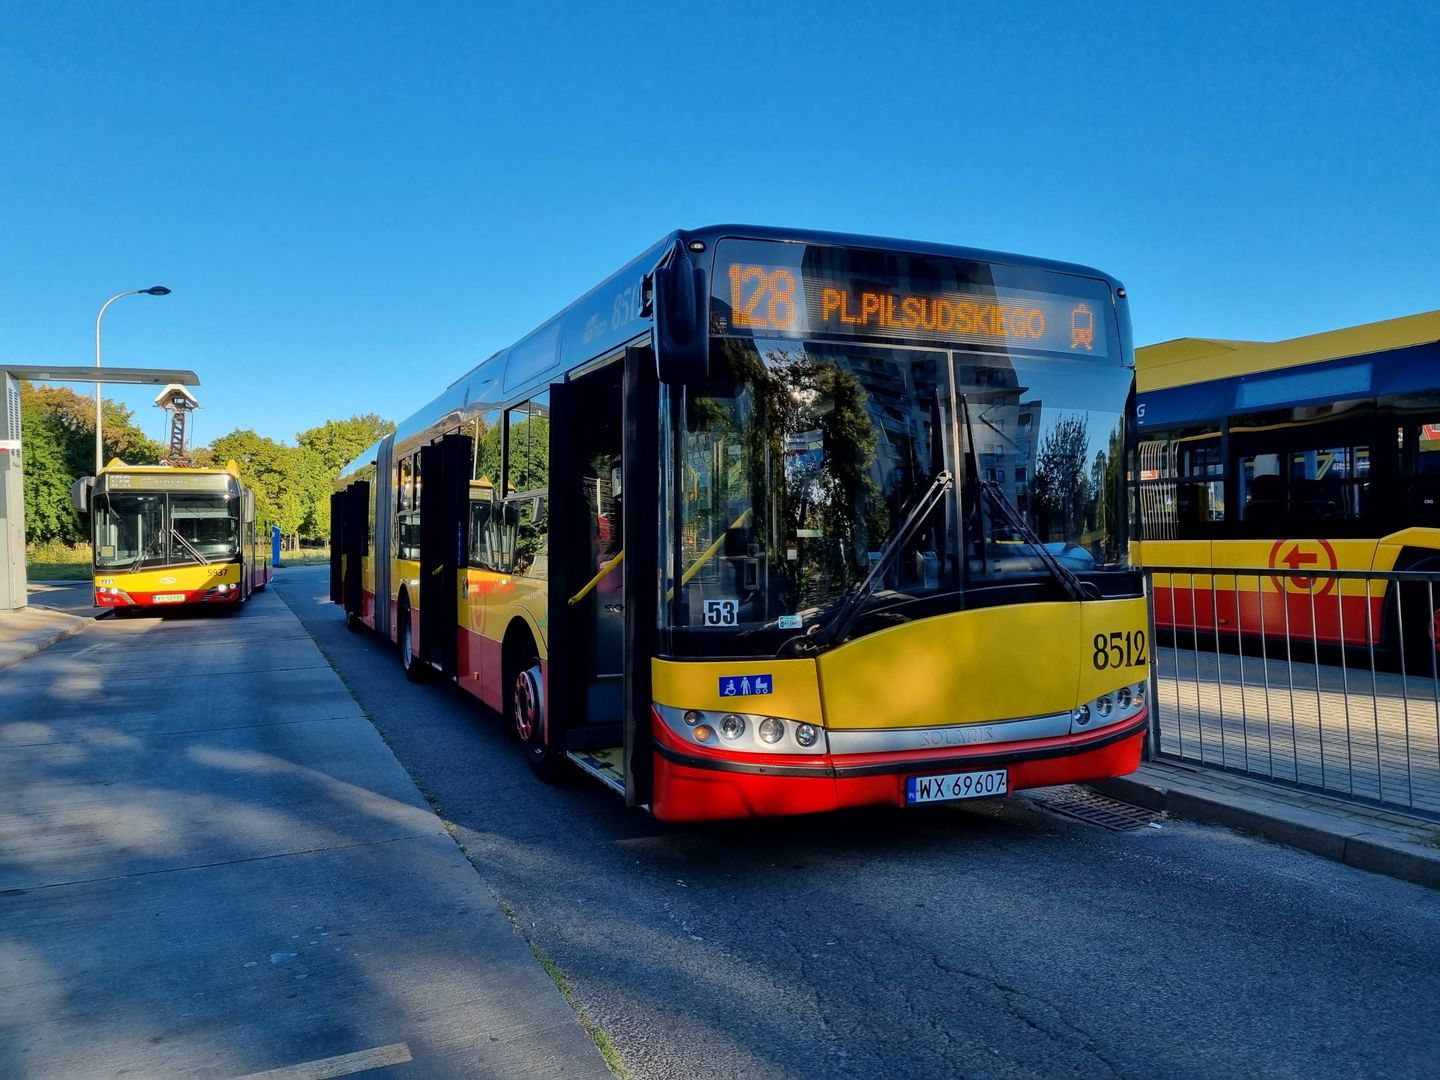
1104,706
742,732
1123,698
1081,716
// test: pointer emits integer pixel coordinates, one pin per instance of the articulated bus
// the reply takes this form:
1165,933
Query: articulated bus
774,522
172,536
1316,453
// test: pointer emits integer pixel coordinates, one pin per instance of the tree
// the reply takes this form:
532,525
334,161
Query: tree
339,442
48,513
58,440
289,481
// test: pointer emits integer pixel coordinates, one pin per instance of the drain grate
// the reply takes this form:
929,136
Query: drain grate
1095,809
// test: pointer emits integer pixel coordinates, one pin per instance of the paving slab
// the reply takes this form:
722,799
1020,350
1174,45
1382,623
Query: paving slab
212,865
1370,838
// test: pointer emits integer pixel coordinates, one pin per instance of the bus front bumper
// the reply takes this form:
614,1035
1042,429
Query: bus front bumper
691,787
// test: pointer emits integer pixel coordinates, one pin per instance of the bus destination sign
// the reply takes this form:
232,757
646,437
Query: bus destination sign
785,300
168,481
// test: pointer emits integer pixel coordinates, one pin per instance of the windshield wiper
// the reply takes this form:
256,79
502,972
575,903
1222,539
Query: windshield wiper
189,546
849,607
1073,586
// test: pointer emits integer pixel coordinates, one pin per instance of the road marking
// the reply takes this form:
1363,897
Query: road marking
342,1065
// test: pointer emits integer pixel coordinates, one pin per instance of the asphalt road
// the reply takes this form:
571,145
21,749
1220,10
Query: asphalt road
978,940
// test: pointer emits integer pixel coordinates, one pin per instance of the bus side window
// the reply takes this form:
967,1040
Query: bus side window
407,517
525,527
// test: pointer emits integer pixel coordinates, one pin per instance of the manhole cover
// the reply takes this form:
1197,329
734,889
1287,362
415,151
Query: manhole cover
1096,809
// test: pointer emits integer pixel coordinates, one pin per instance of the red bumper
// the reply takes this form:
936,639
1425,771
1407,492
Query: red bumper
689,787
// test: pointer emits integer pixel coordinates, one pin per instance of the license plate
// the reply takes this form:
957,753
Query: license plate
960,785
170,598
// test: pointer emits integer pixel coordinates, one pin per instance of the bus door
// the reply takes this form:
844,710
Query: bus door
354,522
444,546
586,666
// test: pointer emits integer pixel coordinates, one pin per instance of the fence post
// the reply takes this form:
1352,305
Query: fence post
1152,738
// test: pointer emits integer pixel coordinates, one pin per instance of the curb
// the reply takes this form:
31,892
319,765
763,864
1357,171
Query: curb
1360,848
40,644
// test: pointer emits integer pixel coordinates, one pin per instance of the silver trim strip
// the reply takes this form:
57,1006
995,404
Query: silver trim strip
888,740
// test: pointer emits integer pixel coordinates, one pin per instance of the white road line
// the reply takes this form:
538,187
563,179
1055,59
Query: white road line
343,1065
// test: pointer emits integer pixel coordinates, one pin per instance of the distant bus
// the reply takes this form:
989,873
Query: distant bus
776,522
169,536
1320,452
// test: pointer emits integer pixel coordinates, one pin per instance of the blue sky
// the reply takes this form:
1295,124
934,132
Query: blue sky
355,203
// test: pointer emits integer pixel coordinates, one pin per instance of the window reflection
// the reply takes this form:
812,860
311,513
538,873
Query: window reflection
799,462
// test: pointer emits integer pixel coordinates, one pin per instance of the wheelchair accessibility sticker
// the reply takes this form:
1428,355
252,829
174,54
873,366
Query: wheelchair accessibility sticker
746,685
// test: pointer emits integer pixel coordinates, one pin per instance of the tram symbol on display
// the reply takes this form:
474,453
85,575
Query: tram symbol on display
1082,328
1302,555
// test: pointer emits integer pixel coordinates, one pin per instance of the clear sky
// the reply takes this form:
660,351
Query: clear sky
354,203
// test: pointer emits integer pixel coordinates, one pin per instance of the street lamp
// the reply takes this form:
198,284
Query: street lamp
154,290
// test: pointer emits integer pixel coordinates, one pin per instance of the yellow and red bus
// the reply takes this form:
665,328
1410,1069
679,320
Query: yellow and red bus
171,536
777,522
1315,453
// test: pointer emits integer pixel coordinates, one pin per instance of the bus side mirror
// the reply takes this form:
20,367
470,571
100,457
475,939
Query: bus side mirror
681,301
80,494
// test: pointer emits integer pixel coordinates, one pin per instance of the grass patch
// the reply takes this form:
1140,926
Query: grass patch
598,1037
56,561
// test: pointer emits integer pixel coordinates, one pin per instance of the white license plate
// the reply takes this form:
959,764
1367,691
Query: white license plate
959,785
170,598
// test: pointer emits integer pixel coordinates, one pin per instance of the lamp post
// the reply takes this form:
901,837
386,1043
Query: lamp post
154,290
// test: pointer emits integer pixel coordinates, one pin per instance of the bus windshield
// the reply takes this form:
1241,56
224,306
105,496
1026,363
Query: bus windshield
134,530
800,463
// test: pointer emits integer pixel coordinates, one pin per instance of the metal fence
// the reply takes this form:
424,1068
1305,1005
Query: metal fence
1325,680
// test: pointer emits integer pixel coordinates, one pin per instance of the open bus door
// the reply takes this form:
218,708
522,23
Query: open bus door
444,541
337,547
354,544
602,604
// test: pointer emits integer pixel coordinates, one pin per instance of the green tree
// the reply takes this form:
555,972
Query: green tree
48,513
58,440
339,442
289,481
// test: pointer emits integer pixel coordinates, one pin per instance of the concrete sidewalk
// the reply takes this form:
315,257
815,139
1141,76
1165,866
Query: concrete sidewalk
1369,838
212,865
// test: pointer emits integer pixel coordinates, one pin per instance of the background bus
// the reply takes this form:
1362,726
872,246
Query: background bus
775,522
1320,452
172,536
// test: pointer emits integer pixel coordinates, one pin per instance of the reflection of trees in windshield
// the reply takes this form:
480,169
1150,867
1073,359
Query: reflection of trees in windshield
798,465
1061,489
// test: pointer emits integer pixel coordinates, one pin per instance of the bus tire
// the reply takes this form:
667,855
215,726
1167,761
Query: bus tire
1420,619
525,714
404,637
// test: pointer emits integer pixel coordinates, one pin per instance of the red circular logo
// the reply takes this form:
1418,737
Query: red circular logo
1304,555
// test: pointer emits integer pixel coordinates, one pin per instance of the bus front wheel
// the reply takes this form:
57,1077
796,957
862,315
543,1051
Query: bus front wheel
525,704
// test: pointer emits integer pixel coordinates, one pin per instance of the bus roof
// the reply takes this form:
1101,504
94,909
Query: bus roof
1186,361
587,327
115,465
